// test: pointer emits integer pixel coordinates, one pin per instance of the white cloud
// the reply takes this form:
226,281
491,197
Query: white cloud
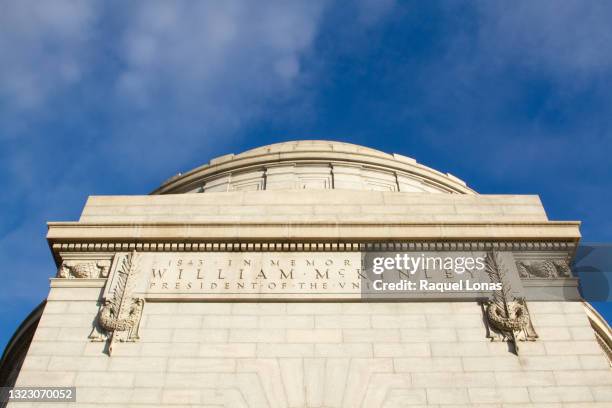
568,39
194,73
215,51
162,66
42,44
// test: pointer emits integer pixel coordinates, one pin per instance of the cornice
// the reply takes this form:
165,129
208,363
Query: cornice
315,246
312,231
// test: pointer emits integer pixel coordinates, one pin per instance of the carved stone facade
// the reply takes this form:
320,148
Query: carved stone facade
240,284
83,269
557,268
507,316
119,316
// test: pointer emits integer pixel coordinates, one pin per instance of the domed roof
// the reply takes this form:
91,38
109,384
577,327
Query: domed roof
313,164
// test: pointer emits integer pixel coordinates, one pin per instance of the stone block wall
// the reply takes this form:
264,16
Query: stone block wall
317,355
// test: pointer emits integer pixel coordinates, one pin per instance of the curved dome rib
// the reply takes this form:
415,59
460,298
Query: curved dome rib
313,164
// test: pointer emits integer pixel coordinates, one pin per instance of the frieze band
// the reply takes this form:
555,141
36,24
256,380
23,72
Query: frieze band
318,246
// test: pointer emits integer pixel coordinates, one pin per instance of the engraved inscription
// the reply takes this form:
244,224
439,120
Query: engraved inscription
253,273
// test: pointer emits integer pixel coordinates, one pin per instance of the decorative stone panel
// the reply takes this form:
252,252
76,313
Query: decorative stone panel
84,266
549,268
119,316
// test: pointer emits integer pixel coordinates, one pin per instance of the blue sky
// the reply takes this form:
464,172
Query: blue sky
113,98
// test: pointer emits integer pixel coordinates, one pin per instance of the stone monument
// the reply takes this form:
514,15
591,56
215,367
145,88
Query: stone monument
242,283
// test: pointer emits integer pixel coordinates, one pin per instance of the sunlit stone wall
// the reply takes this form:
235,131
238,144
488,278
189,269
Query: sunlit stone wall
317,355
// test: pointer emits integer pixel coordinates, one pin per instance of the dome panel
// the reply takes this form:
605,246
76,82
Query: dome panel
313,165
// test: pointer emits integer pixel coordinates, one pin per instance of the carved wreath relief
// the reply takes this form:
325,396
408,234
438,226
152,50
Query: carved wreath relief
119,316
551,268
507,316
84,269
